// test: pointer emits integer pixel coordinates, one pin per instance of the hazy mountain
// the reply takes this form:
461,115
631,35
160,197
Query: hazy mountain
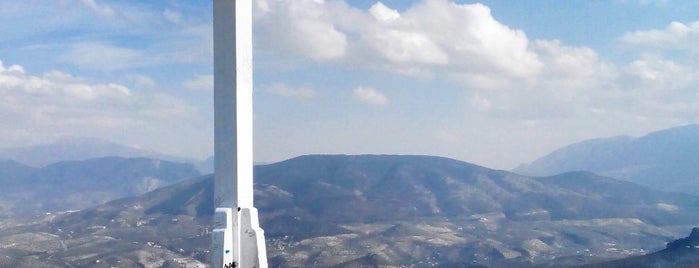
349,211
12,171
666,160
373,187
81,184
77,148
69,149
206,166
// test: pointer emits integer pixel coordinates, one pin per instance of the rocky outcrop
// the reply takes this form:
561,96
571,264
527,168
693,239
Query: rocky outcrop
692,241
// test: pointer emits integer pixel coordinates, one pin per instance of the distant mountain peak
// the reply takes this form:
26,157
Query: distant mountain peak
692,241
79,184
75,149
664,159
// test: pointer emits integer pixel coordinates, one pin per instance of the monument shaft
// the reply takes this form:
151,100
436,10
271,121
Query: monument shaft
238,240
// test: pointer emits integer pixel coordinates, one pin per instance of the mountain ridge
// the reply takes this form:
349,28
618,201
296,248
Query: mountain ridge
664,159
323,211
79,184
83,148
69,149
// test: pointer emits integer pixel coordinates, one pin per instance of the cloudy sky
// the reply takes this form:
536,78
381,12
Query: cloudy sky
495,83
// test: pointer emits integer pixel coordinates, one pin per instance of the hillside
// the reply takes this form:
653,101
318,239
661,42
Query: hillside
80,149
683,252
665,160
74,185
12,171
322,211
69,149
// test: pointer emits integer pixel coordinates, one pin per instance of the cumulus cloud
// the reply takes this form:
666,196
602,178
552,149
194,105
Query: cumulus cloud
572,67
677,36
200,83
473,39
369,95
110,46
662,87
282,89
663,79
434,37
464,43
56,86
301,27
57,103
652,69
440,39
398,42
383,13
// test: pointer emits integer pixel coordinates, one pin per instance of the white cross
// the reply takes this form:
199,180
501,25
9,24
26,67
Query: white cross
238,240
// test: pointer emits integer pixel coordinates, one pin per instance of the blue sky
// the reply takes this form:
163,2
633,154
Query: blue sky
496,83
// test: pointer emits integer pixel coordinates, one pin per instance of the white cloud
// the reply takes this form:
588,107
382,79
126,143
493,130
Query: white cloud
282,89
300,27
654,70
113,47
667,207
554,90
677,35
534,80
57,87
434,37
12,69
369,95
572,67
140,80
382,13
473,39
662,87
57,104
99,56
200,83
405,47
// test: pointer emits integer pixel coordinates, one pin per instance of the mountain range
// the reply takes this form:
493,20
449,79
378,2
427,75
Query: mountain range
361,210
665,160
374,210
70,149
81,148
71,185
